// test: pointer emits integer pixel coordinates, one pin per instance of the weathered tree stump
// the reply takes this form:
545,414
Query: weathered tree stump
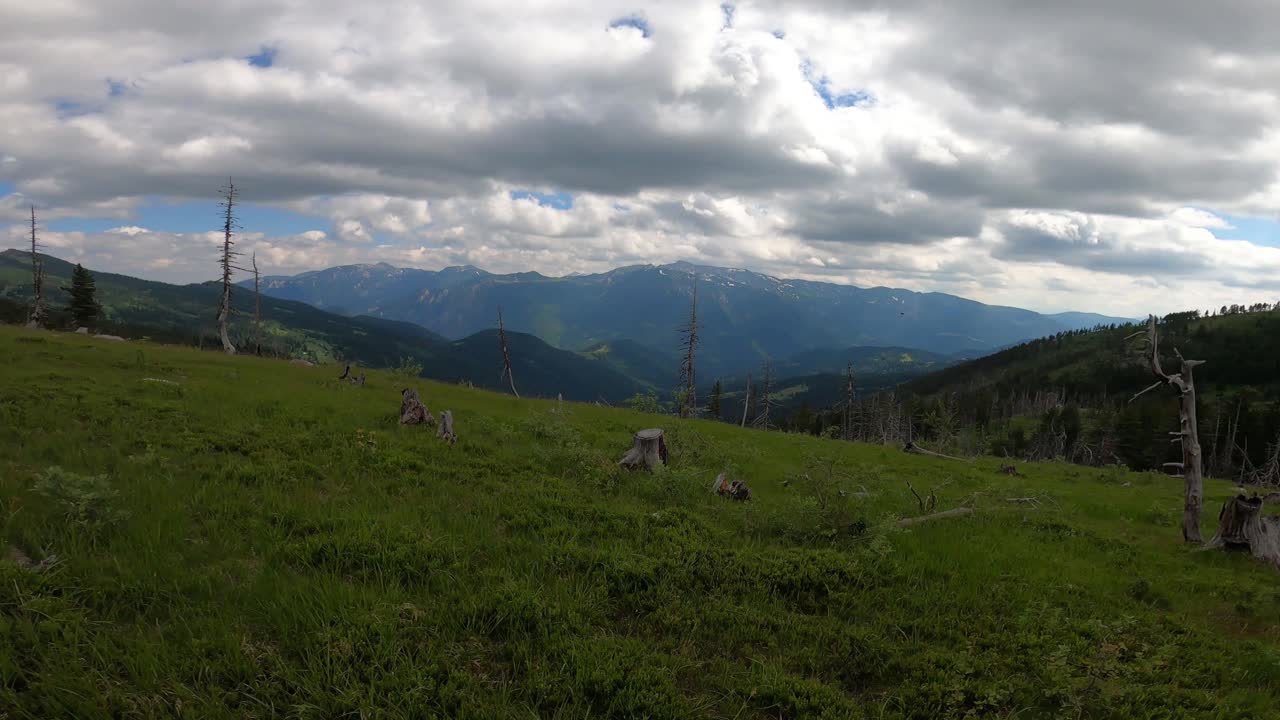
446,428
1010,470
735,489
412,411
346,373
1242,526
649,450
358,380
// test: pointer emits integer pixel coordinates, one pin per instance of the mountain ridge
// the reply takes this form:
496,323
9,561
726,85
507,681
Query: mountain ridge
747,316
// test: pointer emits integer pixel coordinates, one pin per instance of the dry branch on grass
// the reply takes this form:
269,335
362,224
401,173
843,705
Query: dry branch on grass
24,561
953,512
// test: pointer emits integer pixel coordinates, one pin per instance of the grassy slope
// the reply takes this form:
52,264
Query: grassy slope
293,552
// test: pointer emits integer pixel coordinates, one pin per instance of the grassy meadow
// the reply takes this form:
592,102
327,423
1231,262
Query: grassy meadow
245,538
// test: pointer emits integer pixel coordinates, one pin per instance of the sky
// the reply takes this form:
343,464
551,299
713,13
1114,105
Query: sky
1112,157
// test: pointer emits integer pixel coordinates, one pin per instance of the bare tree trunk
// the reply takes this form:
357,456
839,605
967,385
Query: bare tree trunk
38,315
689,404
228,253
746,402
257,307
506,356
1188,433
763,419
848,401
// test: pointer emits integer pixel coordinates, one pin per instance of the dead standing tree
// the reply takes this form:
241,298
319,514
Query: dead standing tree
257,307
688,346
766,400
229,226
848,402
746,402
506,355
39,314
1188,434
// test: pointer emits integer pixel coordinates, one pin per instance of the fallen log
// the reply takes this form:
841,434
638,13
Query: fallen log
953,512
915,449
1242,526
649,450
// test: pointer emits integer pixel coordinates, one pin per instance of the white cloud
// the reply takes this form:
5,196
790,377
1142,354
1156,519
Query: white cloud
999,151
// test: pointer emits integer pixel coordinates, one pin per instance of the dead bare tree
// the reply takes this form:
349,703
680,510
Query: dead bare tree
39,315
506,355
257,307
762,420
1188,434
746,402
848,401
689,344
229,226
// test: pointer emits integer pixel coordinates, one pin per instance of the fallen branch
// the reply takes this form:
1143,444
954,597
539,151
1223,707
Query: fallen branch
953,512
19,558
925,505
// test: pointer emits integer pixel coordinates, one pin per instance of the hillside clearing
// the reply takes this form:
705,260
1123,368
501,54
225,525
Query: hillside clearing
264,541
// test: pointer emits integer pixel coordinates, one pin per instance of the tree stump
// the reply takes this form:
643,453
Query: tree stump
649,450
1242,526
412,411
446,428
346,373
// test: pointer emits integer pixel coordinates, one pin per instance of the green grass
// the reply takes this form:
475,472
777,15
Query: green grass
279,547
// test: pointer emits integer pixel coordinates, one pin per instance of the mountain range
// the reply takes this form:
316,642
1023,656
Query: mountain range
586,337
746,317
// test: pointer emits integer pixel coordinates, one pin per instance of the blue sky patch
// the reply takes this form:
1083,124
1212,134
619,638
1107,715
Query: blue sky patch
1256,230
558,200
116,88
780,34
70,108
636,21
265,58
822,85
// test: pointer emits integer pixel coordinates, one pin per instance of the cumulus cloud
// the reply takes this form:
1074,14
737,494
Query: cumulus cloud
1024,151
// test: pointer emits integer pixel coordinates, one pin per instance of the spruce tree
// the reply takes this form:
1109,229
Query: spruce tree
84,303
713,407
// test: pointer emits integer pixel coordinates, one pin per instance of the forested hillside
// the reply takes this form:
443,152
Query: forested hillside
1068,395
185,314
